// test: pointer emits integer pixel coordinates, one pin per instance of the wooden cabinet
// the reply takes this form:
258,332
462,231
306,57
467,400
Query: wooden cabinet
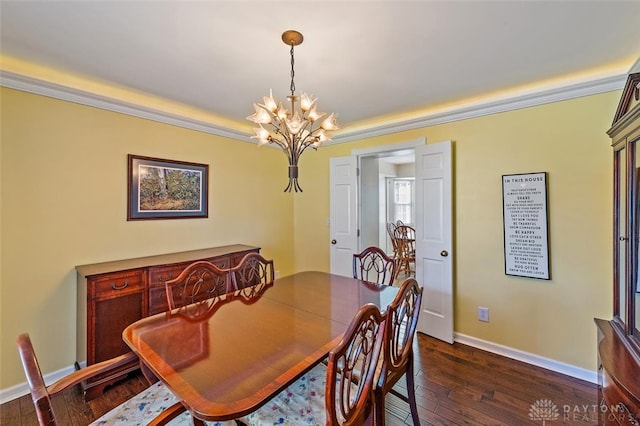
619,338
112,295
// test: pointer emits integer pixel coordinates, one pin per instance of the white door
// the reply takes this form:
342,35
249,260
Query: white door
343,227
434,257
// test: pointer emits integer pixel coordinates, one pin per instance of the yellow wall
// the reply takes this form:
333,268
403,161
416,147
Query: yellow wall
553,318
64,201
63,177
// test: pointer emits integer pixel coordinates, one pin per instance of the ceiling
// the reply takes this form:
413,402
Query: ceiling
365,60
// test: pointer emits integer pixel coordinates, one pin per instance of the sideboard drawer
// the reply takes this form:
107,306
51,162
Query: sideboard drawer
158,300
114,285
158,275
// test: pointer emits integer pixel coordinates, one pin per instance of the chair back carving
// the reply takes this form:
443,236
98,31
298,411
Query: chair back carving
397,353
198,282
373,265
349,401
401,323
253,269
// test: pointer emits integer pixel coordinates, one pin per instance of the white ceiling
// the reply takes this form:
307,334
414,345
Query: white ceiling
362,59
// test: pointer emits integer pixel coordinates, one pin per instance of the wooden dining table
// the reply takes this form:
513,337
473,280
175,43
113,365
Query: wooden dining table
232,360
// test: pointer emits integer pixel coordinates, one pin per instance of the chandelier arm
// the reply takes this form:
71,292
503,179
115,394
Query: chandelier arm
306,124
293,161
306,142
303,149
288,188
288,150
289,157
302,146
286,136
278,132
280,143
313,134
281,128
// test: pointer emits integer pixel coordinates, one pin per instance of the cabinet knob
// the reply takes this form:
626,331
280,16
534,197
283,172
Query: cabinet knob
117,287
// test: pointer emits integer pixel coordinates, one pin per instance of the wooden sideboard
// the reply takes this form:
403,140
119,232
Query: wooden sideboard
112,295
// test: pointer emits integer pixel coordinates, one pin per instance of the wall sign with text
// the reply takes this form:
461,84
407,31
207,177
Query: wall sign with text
526,242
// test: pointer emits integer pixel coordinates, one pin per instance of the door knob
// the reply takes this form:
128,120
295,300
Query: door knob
444,253
334,242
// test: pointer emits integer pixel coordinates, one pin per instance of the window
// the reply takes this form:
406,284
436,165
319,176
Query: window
401,196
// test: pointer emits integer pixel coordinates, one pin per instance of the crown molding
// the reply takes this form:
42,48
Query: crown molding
466,111
40,87
635,67
480,109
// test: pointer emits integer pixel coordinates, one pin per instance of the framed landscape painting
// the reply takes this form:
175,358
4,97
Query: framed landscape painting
166,189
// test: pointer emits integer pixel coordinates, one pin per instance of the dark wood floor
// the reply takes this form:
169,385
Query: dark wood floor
455,385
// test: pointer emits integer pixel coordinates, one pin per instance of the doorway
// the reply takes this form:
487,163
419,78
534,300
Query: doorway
387,194
433,222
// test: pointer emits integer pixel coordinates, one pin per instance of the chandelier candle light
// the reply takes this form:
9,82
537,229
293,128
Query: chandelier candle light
296,129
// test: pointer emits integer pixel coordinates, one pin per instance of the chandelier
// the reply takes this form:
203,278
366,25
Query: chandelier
295,129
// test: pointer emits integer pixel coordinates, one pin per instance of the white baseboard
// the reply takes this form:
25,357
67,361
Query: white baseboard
540,361
13,392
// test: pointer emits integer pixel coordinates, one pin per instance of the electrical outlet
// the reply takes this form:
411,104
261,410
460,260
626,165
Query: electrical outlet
483,314
276,274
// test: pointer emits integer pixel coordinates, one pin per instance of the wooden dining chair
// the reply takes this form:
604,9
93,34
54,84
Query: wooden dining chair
156,405
198,282
348,401
329,394
251,270
405,236
397,353
374,265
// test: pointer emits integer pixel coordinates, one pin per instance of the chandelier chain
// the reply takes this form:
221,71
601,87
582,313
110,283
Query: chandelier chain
293,85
